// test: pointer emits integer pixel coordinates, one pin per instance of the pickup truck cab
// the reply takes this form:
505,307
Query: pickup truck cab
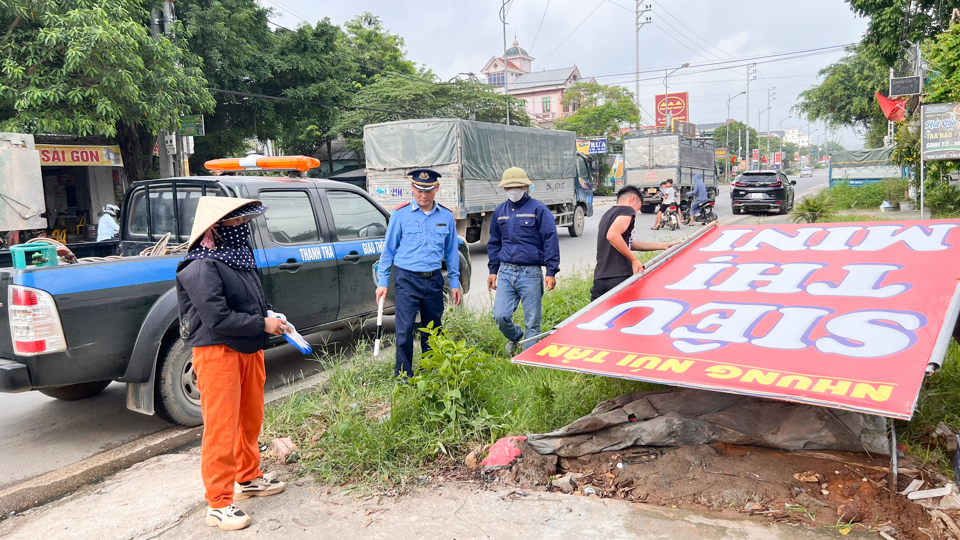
75,328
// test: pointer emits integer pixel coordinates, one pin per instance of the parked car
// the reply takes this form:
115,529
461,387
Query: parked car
806,171
72,329
769,191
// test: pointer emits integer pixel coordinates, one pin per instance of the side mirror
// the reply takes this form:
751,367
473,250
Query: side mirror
793,182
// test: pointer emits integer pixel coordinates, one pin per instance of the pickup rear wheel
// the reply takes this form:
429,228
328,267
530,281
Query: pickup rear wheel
648,208
76,391
176,394
579,222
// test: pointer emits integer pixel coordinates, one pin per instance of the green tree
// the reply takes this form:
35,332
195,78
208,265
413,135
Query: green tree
376,51
398,97
738,139
93,69
896,23
846,97
312,64
602,110
237,47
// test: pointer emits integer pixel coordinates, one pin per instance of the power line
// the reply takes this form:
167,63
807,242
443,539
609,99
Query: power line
544,16
692,33
574,31
310,102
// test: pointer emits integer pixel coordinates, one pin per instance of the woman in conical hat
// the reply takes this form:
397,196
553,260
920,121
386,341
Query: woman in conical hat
224,317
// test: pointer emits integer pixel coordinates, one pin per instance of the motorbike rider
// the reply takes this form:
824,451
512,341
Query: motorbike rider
668,197
699,196
107,226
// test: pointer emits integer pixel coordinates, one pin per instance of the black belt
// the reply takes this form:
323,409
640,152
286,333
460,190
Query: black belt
421,274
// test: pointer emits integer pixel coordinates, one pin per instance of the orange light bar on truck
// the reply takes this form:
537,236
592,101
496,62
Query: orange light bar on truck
262,163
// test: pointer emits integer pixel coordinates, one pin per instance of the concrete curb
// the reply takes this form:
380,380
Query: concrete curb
56,484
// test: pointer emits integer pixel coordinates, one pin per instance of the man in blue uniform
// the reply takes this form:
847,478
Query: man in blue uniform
523,238
420,237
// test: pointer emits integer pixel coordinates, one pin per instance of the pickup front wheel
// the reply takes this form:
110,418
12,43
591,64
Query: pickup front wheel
176,394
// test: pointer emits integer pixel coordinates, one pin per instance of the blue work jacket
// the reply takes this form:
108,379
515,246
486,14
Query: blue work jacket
523,233
420,242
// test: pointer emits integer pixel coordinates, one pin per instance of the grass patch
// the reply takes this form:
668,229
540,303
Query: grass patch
364,428
939,402
843,196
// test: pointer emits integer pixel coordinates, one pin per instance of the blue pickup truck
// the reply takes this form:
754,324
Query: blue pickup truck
76,328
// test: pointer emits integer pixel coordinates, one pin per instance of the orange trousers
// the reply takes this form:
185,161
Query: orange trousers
231,400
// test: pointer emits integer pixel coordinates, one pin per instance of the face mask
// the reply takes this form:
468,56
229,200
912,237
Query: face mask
514,194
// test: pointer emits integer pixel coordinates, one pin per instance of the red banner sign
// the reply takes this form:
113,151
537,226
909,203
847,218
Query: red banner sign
777,157
675,104
842,315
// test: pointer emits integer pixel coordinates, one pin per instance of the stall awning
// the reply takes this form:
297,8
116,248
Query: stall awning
846,315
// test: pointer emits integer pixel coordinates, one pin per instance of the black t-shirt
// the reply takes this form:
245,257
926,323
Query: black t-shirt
610,262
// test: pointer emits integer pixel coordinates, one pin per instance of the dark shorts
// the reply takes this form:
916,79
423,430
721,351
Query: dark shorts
663,207
603,285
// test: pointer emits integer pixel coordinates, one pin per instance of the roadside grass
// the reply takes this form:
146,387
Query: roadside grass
363,428
843,196
939,402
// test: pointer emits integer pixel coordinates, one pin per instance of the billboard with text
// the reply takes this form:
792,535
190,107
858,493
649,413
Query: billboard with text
675,104
840,315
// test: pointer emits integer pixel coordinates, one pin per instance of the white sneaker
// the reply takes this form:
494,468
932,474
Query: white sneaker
258,487
230,518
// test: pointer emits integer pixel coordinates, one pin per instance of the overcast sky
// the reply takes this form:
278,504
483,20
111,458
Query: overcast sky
456,36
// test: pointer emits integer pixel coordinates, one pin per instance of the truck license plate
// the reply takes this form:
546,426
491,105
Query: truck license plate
756,195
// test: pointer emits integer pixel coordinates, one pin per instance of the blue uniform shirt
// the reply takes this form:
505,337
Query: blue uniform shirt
523,233
420,242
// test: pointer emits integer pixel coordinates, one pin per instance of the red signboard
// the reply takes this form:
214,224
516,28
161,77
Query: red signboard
843,315
796,155
777,158
677,104
756,154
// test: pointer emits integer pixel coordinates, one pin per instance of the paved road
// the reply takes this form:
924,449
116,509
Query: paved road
41,434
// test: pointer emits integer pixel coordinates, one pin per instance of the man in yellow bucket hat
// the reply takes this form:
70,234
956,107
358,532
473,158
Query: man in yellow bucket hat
523,240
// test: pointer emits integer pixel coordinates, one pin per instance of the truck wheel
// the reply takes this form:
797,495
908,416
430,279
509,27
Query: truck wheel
736,210
579,222
176,394
647,208
71,392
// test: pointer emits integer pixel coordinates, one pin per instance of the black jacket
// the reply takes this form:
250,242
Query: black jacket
220,305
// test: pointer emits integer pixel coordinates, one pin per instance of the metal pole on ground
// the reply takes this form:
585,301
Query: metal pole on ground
503,19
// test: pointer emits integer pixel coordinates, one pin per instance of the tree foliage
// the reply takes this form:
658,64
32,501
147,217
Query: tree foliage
602,110
737,139
92,68
376,51
895,24
846,95
398,97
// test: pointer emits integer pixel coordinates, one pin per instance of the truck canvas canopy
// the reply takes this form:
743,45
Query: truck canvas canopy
858,167
848,315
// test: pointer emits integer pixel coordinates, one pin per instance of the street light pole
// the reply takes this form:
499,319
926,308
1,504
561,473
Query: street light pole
666,94
770,95
759,114
781,140
726,130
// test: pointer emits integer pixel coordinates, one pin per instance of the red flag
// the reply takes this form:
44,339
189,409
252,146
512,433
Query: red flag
894,109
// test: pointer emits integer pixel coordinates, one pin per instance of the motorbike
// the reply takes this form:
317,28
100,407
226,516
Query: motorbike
670,218
705,216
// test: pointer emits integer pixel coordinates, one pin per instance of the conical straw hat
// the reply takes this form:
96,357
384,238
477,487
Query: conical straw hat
210,210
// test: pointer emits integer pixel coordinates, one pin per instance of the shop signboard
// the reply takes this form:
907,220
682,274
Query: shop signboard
191,125
720,153
940,127
831,315
79,156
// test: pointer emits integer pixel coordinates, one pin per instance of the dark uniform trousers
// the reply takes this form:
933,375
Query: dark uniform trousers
415,292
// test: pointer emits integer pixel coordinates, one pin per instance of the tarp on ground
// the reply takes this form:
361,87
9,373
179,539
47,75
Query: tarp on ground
484,150
845,315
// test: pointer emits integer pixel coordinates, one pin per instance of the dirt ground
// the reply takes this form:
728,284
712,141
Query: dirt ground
831,489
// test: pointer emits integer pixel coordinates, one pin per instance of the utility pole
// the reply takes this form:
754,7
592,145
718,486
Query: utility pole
640,22
781,141
503,19
770,95
751,76
160,21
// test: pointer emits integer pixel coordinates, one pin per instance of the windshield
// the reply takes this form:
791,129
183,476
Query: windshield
762,178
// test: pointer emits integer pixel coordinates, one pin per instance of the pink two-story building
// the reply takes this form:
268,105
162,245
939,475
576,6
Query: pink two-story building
541,91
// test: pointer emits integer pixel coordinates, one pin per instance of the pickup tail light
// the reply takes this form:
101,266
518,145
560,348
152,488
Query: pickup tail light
34,322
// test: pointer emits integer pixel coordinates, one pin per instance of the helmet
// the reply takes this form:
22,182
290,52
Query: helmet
514,177
111,209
